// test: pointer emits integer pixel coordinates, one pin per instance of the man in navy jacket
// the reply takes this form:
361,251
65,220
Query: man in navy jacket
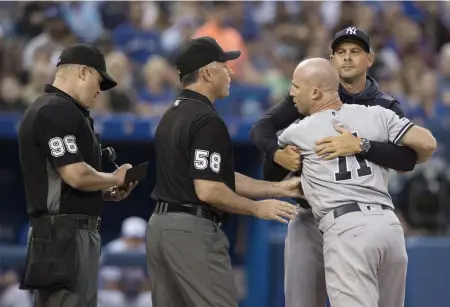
352,57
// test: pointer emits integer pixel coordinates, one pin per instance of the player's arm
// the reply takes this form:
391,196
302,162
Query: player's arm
56,132
421,140
264,132
206,159
389,155
382,153
264,135
403,132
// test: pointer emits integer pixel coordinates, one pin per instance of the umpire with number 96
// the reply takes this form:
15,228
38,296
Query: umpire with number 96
60,155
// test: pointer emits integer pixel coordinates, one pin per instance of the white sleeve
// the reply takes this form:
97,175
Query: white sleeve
396,127
291,136
282,139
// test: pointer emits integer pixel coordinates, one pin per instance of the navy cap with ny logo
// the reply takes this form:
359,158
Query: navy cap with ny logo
354,34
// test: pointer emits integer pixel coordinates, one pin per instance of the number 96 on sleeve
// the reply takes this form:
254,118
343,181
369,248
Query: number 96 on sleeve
203,160
59,146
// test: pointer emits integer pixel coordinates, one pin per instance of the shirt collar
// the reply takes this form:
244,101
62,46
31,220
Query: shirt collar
50,89
189,94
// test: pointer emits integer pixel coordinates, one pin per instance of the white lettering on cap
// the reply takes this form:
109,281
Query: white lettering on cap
351,31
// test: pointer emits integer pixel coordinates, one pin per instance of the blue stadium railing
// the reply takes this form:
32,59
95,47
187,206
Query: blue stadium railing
127,127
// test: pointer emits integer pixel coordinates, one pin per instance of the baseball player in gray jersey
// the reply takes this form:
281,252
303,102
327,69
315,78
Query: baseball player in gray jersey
364,247
352,56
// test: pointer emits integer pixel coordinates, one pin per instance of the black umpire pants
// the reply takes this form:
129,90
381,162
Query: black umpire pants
188,262
84,294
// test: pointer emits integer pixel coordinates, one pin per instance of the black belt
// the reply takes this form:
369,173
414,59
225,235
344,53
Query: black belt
196,210
352,207
84,221
90,223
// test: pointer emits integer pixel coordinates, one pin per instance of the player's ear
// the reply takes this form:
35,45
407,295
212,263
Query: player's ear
315,93
333,59
371,59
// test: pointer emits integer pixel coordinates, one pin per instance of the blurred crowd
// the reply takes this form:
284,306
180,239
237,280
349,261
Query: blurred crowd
125,286
141,39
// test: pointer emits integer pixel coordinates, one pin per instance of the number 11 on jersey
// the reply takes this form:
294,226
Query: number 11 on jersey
344,173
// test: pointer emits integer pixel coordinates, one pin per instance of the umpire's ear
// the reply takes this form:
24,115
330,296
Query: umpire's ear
206,72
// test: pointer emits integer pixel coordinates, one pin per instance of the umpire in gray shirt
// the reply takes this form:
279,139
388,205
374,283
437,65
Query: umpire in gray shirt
187,251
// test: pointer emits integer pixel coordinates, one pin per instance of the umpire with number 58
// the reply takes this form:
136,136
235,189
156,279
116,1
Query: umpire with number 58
60,156
187,251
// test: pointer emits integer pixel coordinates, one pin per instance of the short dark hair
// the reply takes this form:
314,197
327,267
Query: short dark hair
189,78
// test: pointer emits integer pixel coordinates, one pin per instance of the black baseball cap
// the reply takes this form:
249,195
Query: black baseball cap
353,34
201,51
90,56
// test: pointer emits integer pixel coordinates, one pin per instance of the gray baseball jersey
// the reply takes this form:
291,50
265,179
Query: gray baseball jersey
329,184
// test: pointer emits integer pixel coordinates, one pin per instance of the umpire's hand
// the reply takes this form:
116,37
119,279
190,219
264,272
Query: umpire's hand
291,188
119,193
121,172
272,209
